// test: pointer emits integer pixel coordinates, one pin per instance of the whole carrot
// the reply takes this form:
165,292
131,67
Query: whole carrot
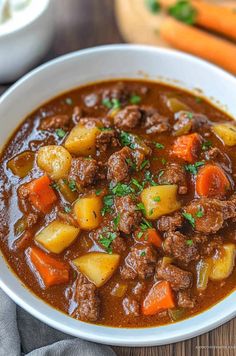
199,43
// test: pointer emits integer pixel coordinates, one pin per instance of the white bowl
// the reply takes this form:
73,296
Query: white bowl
26,41
70,71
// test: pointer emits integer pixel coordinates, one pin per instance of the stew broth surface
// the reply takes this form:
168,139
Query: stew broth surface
107,99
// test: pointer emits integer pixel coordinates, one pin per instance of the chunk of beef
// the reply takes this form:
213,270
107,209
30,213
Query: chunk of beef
31,219
128,118
95,122
174,173
216,155
152,121
31,213
215,212
178,278
170,222
83,171
106,233
118,166
140,262
24,240
139,290
105,139
131,306
188,121
118,92
55,122
130,217
185,300
85,296
177,245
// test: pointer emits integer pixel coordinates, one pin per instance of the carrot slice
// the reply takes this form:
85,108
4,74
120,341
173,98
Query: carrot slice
50,270
159,298
187,147
41,195
153,237
212,181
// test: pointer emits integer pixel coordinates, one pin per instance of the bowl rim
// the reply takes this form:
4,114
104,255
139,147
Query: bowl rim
217,314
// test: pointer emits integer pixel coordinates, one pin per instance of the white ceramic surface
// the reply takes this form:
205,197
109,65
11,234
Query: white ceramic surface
67,72
26,41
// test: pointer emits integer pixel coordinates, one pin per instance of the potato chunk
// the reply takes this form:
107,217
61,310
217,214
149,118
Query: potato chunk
57,236
227,133
88,212
98,267
82,140
160,200
223,265
54,160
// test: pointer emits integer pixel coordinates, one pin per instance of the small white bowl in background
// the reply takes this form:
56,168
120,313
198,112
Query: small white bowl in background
97,64
24,40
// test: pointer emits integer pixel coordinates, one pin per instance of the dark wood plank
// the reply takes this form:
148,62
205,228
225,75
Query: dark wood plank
87,23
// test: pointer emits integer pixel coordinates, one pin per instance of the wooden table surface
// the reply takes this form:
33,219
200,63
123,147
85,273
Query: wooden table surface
86,23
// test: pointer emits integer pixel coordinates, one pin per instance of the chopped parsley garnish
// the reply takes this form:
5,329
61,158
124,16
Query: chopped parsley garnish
190,218
105,128
149,178
161,173
108,203
111,104
131,164
151,211
68,101
107,239
189,115
55,186
98,191
200,212
140,234
183,11
206,145
153,6
157,199
160,146
189,242
135,99
67,209
127,139
141,207
145,163
72,185
163,161
60,133
136,183
116,221
145,225
143,253
120,189
193,168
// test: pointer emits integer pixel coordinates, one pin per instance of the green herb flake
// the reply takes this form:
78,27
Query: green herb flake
160,174
60,133
141,207
72,185
189,242
107,239
55,186
200,212
193,168
140,234
206,145
135,99
116,221
149,178
189,115
183,11
108,202
151,211
198,100
68,101
120,190
105,128
190,218
67,209
107,103
127,139
144,164
131,164
98,192
163,161
136,183
153,6
160,146
145,225
143,253
157,199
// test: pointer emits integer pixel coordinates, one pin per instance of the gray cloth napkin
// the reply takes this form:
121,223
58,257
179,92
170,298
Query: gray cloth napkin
22,334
